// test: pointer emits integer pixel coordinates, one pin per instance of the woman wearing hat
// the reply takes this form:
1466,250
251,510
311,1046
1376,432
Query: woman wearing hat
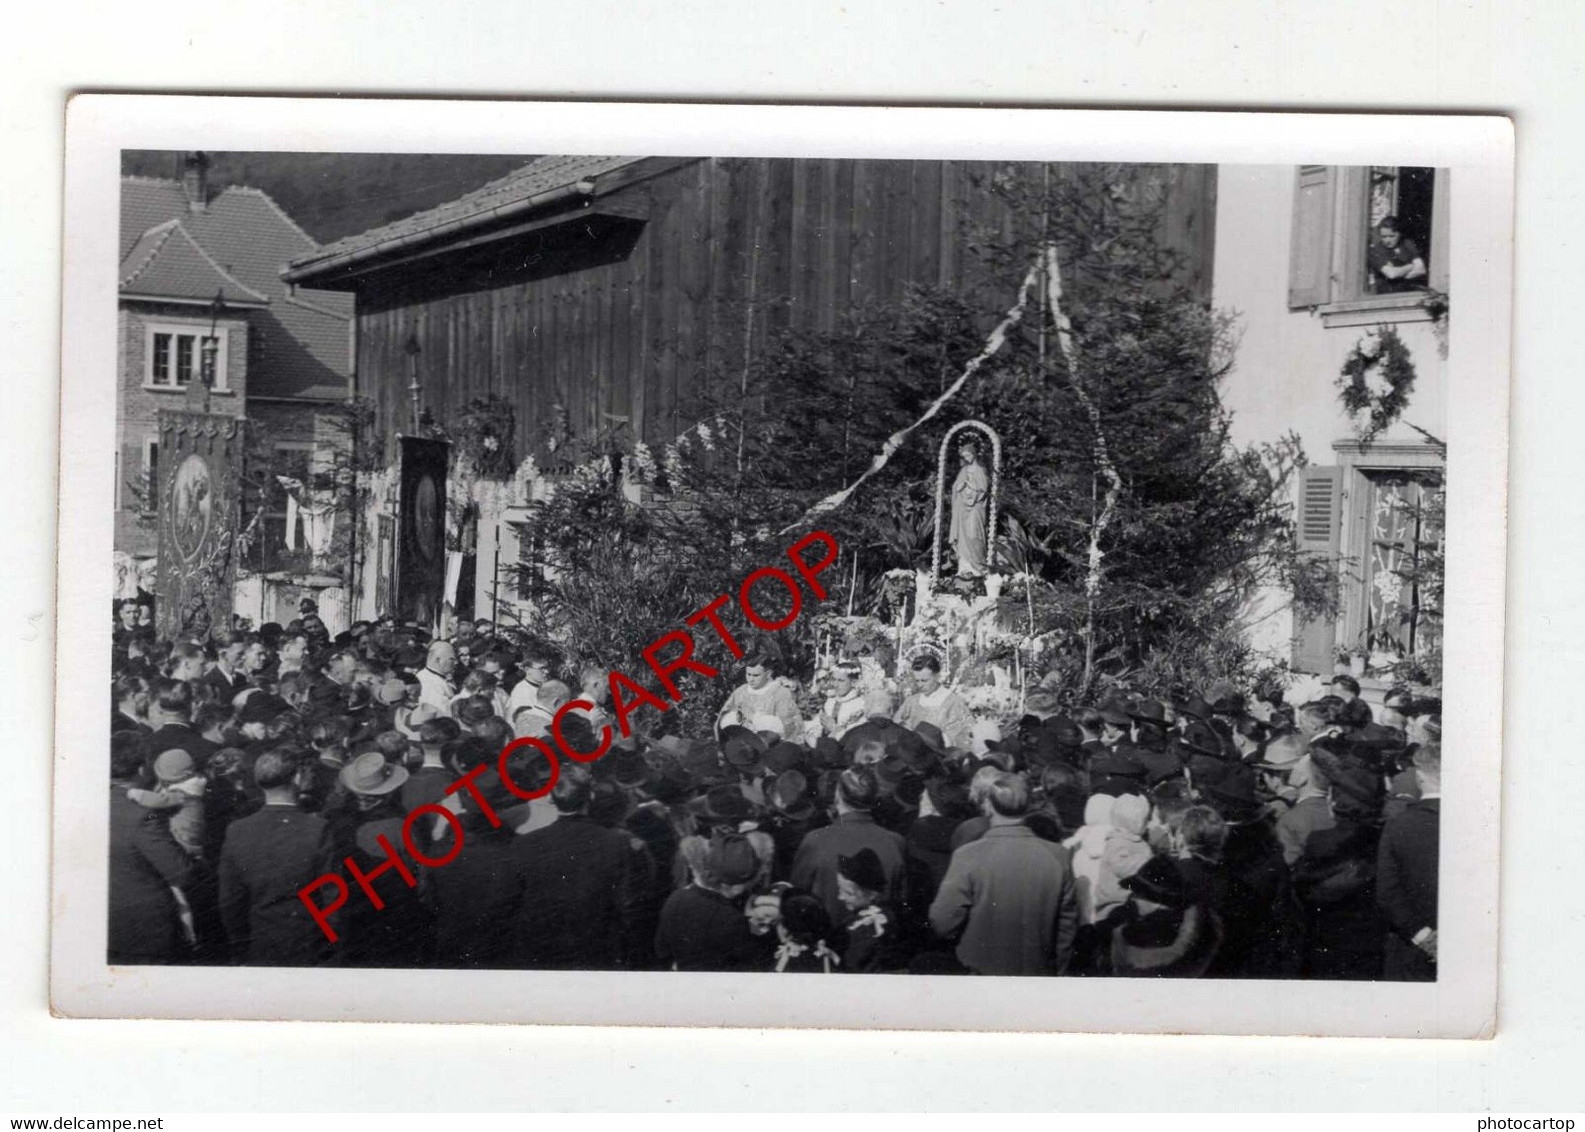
803,929
1334,878
702,925
871,929
1161,932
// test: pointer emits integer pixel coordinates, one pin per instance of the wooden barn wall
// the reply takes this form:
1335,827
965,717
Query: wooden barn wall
629,333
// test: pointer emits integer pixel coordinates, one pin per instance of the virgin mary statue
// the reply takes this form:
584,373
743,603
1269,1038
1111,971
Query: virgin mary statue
971,493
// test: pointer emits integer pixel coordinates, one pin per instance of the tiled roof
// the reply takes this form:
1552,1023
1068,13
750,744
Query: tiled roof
167,262
542,175
303,341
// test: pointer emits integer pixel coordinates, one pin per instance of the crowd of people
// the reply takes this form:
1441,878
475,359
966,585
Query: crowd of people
1178,837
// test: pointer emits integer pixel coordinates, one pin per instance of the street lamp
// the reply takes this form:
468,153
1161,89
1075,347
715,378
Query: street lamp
210,347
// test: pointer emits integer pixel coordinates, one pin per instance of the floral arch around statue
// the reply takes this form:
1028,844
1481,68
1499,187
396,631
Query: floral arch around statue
989,503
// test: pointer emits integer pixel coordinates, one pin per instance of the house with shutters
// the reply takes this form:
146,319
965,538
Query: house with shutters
199,261
1294,259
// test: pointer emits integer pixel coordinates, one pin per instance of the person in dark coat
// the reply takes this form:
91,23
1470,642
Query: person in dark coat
576,877
1262,936
478,894
266,859
815,867
702,925
130,697
1406,876
146,864
226,679
1199,838
945,806
170,716
610,807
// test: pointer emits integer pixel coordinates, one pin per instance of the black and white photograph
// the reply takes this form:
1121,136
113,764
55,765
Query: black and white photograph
1025,573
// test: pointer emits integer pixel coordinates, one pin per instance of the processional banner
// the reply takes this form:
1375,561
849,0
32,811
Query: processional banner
200,463
421,544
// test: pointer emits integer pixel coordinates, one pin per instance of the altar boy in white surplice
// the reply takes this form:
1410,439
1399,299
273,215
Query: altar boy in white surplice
844,709
761,694
933,702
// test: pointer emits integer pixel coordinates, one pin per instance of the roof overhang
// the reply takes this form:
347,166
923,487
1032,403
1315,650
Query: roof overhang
228,304
579,200
327,272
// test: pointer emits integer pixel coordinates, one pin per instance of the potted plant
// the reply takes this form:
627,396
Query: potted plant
1352,659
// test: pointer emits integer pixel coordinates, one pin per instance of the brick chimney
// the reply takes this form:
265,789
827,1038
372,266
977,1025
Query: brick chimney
195,180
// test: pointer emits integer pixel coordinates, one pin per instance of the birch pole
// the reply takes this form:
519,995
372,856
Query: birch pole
1102,454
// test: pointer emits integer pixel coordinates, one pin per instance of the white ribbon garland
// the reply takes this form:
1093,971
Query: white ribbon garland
993,344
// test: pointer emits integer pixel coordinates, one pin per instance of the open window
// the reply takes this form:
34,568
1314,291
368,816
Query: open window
1336,240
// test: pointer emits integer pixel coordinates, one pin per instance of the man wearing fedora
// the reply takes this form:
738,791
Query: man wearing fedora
397,935
792,816
743,751
1311,811
1150,748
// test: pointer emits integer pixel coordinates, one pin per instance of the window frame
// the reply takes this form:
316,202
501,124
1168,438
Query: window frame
198,333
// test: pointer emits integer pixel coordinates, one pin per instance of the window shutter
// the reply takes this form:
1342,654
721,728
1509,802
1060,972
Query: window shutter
1437,268
1320,513
1310,250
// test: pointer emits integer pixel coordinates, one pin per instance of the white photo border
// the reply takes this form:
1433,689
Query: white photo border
1462,1004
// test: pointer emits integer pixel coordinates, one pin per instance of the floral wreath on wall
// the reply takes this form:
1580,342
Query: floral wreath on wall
484,437
1377,377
